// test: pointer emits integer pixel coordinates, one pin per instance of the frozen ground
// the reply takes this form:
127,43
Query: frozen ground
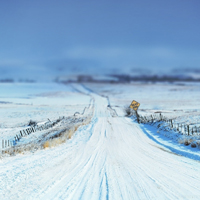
112,157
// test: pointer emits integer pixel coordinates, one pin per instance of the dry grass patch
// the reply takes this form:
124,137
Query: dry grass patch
53,142
65,135
71,132
46,144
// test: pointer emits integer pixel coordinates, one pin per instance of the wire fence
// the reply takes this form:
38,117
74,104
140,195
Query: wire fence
182,128
9,143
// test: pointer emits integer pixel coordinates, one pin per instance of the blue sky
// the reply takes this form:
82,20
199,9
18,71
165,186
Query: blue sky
99,35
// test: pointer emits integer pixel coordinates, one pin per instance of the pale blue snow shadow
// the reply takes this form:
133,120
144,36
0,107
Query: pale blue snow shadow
177,149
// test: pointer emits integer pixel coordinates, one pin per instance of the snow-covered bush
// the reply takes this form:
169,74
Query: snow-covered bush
32,123
128,111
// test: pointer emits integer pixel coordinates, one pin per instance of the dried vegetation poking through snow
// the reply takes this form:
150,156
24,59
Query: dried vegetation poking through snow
59,134
66,134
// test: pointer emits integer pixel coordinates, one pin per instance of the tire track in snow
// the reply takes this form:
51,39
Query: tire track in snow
111,158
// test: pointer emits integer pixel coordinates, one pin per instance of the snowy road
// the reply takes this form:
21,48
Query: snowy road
111,158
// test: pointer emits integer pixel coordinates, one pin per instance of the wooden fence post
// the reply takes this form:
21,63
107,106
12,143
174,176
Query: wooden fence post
17,137
137,115
181,128
188,129
21,133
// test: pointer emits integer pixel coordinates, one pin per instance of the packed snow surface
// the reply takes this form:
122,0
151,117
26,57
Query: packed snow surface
110,158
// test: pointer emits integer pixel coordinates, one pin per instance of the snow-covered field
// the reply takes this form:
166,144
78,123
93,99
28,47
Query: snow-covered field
21,102
178,100
40,102
110,157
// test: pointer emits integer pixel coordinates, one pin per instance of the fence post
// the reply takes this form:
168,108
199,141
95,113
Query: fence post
32,129
171,123
188,129
181,128
17,137
161,117
152,118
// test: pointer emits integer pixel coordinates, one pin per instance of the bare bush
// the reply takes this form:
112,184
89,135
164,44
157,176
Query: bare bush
32,123
186,143
128,111
193,145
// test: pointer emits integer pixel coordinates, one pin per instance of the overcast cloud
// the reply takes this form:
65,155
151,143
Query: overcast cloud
95,35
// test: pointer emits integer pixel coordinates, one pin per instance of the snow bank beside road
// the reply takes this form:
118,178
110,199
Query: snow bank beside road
169,141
